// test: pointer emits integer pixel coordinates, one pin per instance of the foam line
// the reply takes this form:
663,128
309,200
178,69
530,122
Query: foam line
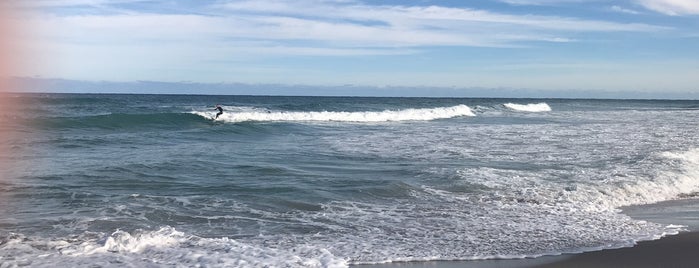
425,114
531,107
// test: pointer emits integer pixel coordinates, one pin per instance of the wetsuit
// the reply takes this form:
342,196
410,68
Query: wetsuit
220,111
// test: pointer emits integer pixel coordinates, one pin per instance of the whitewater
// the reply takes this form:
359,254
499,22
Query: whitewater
531,107
242,114
153,181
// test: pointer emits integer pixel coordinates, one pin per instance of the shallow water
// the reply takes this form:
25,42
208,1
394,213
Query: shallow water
140,180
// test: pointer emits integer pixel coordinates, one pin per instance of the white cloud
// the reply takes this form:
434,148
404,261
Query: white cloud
624,10
331,24
325,28
240,36
427,16
356,24
672,7
69,3
541,2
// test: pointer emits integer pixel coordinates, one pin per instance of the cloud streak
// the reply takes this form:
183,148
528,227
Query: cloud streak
624,10
672,7
316,41
338,25
73,3
541,2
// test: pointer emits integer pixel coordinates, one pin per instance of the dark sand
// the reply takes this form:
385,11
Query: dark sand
680,250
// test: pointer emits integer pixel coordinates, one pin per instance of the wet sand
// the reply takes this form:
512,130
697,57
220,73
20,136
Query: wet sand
680,250
674,251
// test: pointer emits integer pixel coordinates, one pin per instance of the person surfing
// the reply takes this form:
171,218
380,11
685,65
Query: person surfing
220,111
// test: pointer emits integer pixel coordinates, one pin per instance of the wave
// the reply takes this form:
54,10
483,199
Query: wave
424,114
123,121
677,175
160,248
531,107
577,214
583,217
671,176
180,120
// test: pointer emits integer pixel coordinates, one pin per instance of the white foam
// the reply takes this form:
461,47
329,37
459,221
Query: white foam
425,114
519,199
672,175
581,217
164,247
677,174
532,107
523,214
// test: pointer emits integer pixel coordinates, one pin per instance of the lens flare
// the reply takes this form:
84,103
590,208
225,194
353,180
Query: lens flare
10,62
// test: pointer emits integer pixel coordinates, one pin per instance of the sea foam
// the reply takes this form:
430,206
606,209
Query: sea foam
566,221
532,107
165,247
424,114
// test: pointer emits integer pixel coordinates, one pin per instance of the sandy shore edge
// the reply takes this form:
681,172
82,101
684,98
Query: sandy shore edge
681,250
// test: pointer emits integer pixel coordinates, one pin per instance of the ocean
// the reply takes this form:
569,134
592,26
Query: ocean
101,180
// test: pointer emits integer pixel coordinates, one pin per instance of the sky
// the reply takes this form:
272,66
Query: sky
627,46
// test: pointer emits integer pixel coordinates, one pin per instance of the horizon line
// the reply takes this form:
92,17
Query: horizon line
71,86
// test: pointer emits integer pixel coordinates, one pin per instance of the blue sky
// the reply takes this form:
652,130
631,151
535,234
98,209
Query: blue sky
556,45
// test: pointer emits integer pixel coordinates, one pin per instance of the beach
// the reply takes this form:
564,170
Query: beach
680,250
672,251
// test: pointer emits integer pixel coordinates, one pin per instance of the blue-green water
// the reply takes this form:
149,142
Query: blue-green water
151,180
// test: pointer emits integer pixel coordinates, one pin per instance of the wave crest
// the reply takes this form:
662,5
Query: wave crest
531,107
424,114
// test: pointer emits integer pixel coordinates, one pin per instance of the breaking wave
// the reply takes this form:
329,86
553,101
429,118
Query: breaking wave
165,247
532,107
424,114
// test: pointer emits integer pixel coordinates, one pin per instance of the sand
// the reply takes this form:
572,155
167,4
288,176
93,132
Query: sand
680,250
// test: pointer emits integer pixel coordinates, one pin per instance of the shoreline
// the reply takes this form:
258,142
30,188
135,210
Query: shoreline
679,250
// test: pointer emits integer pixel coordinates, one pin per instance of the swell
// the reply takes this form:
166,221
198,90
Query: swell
123,121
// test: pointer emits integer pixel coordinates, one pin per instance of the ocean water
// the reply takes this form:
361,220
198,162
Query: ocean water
152,181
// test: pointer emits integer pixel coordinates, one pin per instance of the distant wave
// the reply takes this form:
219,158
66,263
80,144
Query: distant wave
532,107
424,114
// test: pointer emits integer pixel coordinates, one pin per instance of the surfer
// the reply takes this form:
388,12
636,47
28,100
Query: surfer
220,111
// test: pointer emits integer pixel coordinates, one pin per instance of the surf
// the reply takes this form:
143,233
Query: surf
531,107
156,182
411,114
